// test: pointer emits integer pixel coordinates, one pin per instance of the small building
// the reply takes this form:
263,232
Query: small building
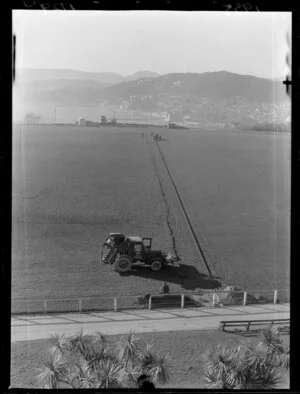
81,122
175,119
172,125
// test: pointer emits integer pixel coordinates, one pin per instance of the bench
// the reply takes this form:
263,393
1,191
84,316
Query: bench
166,300
248,323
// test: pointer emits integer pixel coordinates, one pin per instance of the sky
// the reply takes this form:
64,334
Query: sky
125,42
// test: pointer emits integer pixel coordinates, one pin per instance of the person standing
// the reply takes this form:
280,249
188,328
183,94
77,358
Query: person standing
164,288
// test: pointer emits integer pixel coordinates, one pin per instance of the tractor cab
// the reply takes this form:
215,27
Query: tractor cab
137,247
147,243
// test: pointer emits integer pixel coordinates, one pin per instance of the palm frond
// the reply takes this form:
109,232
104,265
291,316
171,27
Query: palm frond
272,343
101,339
213,381
130,376
83,367
81,344
285,359
267,378
221,361
110,374
128,349
52,370
148,357
59,342
85,384
160,371
74,341
242,358
72,377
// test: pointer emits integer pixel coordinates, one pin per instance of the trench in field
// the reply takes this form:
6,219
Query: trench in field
172,236
198,226
199,248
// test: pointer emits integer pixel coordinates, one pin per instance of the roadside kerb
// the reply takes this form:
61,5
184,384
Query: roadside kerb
121,322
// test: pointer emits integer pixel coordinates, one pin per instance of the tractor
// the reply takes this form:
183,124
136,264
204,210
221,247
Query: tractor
125,252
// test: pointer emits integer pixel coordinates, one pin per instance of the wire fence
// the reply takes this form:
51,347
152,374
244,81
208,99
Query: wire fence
61,305
205,298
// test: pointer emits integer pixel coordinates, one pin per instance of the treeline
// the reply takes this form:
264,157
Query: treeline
275,127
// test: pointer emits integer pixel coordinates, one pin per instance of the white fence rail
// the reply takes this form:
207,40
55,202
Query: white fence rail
205,298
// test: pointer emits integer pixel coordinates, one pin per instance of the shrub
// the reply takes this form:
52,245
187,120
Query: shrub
86,362
244,367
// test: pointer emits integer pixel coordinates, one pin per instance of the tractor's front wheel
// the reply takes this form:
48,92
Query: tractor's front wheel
156,265
123,264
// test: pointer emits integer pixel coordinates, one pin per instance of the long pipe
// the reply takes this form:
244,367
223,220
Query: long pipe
185,212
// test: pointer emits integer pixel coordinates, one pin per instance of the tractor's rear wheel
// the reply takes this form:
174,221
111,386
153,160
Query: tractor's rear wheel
123,264
156,265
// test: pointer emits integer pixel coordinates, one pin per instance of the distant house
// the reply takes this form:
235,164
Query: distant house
175,119
31,118
103,119
81,122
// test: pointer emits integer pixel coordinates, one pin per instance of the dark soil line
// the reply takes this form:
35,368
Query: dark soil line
201,234
166,204
200,249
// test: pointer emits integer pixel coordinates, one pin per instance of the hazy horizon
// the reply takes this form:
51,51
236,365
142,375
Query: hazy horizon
137,71
164,42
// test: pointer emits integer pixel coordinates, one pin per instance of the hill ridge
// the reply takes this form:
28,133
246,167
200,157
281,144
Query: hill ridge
217,97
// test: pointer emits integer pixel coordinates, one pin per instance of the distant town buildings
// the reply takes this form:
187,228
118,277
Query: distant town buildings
31,118
175,119
103,119
81,122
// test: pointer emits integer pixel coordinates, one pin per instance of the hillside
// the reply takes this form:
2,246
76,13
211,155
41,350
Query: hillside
27,76
66,87
214,85
141,74
211,98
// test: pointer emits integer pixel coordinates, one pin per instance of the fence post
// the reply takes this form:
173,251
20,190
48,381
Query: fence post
245,299
150,302
275,296
182,300
80,304
45,306
214,299
115,304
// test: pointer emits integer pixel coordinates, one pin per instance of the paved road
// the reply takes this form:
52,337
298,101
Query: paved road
141,321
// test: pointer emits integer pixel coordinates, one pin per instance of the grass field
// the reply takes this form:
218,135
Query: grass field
72,186
237,189
186,350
